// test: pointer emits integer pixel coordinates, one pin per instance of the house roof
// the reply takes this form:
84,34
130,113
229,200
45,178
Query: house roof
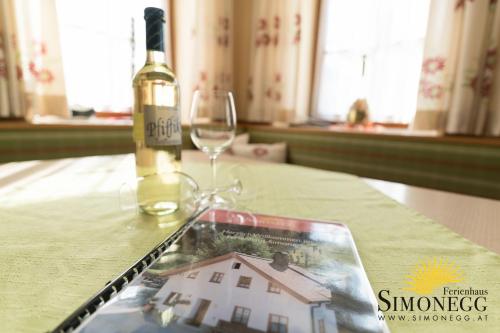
298,282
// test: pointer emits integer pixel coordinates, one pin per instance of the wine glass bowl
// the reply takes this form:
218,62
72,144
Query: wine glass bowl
213,121
211,140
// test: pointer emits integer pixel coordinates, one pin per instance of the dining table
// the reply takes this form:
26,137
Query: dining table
64,233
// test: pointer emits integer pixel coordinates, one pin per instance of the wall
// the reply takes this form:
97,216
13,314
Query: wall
256,298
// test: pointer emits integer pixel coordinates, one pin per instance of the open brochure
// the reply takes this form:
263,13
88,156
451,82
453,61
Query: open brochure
240,272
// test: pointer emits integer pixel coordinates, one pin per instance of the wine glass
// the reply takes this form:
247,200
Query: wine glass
213,128
169,197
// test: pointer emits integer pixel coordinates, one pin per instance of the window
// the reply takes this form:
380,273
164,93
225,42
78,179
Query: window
390,34
236,265
172,299
193,275
217,277
277,324
240,315
103,45
244,282
273,288
321,326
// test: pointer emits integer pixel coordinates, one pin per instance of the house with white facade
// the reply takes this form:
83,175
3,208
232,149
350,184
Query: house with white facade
242,293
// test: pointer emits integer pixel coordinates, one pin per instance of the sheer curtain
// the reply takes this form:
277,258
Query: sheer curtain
262,50
460,84
390,34
103,46
31,76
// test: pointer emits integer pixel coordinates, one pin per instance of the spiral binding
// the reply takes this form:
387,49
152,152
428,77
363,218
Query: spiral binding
112,288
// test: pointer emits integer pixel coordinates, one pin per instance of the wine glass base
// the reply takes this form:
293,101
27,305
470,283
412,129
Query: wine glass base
216,201
159,208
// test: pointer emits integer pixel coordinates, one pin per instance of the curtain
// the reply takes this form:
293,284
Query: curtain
31,75
262,50
460,85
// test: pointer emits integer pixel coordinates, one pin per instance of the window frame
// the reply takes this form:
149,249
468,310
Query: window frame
242,282
245,310
216,277
270,322
172,298
111,109
319,57
273,288
319,61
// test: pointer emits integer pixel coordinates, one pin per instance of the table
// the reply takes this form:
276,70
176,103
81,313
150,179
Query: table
475,218
63,234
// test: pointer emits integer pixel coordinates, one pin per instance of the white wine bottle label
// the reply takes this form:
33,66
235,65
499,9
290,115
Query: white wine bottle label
162,126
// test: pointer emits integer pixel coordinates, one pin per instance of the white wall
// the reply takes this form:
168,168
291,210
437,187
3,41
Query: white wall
225,296
328,315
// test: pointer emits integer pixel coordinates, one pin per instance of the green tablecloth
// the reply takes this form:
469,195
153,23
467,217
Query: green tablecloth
64,235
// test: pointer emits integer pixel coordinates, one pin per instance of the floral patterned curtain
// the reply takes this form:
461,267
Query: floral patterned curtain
31,75
281,66
262,50
460,84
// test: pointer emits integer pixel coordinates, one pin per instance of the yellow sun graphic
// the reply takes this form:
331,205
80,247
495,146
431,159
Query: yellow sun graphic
432,274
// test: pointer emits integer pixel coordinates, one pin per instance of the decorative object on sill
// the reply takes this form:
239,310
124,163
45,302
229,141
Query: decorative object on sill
358,113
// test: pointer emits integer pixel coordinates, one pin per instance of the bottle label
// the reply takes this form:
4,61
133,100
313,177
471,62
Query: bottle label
162,126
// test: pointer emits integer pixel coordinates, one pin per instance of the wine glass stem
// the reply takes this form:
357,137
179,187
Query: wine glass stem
214,171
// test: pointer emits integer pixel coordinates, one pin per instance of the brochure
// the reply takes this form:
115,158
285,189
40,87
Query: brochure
240,272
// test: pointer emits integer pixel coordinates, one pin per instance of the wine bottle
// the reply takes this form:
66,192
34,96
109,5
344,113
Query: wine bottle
157,123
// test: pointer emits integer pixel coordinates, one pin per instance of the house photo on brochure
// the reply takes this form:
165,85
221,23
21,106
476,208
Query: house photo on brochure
240,272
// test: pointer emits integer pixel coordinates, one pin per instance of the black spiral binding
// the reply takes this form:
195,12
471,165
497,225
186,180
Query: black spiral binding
112,288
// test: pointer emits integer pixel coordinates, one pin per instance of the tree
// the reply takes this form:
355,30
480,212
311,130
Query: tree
221,245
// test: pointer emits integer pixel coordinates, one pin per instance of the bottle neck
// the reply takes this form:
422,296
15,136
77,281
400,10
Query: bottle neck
154,34
155,57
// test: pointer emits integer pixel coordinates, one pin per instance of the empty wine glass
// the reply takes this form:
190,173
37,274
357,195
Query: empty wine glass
170,197
178,190
213,128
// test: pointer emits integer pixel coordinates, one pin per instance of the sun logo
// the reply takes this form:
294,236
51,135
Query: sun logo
432,274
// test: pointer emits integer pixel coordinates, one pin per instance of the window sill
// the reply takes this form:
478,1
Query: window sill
94,123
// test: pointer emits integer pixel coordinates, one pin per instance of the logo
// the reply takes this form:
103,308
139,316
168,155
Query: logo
437,292
427,276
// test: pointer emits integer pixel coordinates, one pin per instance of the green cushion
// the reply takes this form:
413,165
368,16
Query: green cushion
452,166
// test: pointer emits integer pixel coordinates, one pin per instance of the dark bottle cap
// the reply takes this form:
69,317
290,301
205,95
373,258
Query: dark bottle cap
154,28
